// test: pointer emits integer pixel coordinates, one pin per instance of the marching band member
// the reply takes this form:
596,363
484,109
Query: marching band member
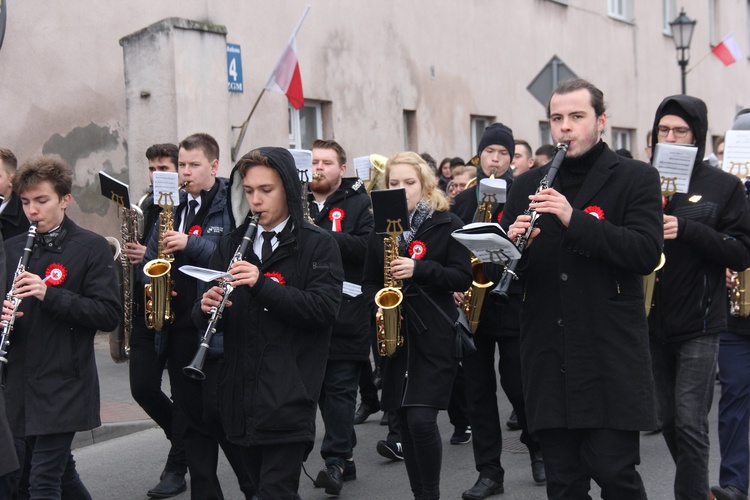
342,207
432,259
584,338
277,326
201,219
68,292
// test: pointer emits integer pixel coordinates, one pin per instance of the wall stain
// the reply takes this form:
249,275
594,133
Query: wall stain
88,150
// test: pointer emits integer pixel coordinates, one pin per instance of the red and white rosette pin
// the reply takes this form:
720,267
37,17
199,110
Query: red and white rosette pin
499,216
336,215
195,230
595,211
55,274
417,250
664,201
277,277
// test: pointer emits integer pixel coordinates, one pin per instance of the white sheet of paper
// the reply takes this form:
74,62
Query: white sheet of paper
492,190
675,165
485,242
351,289
362,166
303,162
166,193
203,274
737,153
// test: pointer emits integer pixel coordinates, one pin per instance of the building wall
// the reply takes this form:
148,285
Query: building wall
63,84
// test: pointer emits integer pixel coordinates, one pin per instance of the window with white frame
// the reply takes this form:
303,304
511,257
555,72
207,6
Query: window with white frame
478,124
410,130
712,22
305,125
669,11
622,138
621,10
545,134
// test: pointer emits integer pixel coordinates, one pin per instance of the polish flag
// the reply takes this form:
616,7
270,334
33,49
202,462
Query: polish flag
286,78
728,50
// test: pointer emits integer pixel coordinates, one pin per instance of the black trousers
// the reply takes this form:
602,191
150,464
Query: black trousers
146,370
275,469
203,433
572,457
481,394
423,449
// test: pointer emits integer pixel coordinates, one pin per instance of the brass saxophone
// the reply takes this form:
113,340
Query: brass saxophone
158,294
131,230
389,298
474,296
739,302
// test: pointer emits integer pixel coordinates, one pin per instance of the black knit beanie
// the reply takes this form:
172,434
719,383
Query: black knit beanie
497,133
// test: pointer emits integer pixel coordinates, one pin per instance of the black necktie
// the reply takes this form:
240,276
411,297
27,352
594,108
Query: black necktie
267,250
190,217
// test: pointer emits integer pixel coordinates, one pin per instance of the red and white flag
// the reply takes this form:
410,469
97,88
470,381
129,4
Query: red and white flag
286,78
728,50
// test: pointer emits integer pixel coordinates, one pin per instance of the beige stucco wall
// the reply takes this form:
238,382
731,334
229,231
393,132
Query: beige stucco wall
62,77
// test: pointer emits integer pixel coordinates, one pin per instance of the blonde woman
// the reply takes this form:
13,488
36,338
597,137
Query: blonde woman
431,259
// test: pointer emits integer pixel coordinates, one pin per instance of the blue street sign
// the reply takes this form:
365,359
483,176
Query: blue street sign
234,67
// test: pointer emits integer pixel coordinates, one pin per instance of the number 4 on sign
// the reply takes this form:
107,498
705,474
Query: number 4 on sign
233,69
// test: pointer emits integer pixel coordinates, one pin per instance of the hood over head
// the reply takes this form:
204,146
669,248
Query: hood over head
693,111
282,161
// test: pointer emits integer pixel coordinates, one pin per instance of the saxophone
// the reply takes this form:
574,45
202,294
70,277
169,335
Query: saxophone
474,296
23,262
389,298
739,302
158,293
131,230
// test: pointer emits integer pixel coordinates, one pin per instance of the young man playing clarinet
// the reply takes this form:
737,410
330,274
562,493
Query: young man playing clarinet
584,336
68,291
277,325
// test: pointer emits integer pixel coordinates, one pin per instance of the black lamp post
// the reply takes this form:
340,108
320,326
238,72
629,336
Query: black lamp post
682,32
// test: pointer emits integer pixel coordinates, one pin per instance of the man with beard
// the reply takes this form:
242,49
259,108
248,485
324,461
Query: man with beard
584,336
342,207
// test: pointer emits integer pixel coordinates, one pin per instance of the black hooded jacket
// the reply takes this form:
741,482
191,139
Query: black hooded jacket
352,332
713,220
277,332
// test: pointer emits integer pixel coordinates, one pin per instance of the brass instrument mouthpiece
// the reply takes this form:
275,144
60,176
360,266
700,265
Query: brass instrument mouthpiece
317,176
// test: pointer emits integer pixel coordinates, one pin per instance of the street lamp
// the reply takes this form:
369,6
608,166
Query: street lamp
682,32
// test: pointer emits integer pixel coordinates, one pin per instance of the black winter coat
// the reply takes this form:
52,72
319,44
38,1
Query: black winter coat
351,332
584,338
428,354
52,384
13,218
277,333
690,297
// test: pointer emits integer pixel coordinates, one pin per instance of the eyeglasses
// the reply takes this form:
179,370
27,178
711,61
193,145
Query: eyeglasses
679,132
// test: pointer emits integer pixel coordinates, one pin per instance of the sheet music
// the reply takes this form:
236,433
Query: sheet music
737,153
362,166
166,192
303,162
675,165
488,242
203,274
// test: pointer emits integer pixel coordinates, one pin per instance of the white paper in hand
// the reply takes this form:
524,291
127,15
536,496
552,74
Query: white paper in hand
203,274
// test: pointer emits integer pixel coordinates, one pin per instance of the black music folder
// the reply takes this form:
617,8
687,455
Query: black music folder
114,190
389,206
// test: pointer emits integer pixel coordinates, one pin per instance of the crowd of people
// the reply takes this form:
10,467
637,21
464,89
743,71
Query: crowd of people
584,361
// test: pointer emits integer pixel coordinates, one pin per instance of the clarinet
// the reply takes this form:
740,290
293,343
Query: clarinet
23,262
195,369
509,274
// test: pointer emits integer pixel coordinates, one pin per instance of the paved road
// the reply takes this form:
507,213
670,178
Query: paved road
126,467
